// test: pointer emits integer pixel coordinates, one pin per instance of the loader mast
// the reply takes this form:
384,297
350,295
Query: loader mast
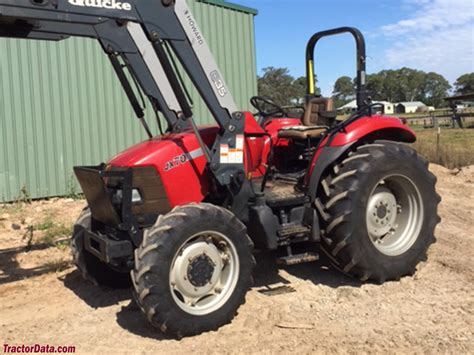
140,32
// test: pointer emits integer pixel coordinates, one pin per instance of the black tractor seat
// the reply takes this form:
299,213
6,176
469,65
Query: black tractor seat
318,117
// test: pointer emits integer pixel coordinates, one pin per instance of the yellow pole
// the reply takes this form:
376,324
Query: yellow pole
311,78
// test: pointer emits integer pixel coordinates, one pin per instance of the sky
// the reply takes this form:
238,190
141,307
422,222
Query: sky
429,35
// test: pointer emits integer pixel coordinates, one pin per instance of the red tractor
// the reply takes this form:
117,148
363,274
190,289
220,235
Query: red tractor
183,211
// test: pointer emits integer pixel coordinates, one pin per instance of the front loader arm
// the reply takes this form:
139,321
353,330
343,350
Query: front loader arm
22,19
142,33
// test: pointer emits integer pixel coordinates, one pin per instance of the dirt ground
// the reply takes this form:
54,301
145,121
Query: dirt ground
305,308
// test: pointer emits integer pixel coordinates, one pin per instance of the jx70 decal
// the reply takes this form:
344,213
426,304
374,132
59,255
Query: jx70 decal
183,159
175,162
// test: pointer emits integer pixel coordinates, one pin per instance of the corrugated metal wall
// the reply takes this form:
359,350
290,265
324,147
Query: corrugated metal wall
61,104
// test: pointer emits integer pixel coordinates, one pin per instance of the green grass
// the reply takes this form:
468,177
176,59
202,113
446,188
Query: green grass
45,225
12,208
52,231
455,149
55,232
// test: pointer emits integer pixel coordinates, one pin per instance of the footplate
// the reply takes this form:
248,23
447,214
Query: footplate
293,230
297,259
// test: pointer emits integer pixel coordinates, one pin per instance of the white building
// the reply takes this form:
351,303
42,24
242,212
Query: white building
388,107
410,107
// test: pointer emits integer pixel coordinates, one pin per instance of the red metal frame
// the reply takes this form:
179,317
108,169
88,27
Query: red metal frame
182,165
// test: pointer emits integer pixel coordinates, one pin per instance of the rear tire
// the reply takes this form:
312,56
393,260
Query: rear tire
193,269
379,212
89,266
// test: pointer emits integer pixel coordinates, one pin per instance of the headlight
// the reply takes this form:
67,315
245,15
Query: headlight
136,197
118,197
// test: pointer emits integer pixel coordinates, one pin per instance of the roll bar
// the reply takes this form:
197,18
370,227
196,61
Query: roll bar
361,59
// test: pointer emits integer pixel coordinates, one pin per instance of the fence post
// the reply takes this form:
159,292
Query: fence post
438,136
435,121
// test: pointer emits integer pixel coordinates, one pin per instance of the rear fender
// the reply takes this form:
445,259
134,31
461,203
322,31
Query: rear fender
366,129
381,127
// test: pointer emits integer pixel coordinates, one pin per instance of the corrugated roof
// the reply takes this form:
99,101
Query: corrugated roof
353,104
412,104
231,6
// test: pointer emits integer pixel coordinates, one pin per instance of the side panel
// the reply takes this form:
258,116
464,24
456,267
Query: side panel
257,146
281,147
179,161
260,141
257,150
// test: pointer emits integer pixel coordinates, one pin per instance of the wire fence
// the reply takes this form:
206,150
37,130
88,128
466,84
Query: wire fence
462,120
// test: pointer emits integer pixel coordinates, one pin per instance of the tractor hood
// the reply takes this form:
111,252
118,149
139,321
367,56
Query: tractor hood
178,159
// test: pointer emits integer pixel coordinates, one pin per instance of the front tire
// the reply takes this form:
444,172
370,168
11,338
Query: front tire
193,269
91,268
379,212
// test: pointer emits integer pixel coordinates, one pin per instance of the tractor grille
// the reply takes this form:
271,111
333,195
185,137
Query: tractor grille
118,196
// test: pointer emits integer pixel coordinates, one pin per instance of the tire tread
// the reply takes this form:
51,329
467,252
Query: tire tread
339,189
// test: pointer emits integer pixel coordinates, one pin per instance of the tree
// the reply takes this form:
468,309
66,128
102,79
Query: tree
343,91
407,84
375,87
384,86
465,84
299,86
410,82
278,85
435,89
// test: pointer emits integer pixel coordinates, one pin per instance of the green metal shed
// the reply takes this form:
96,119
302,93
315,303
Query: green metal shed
61,104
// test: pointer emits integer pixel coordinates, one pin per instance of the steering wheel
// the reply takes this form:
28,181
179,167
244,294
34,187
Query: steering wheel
266,107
